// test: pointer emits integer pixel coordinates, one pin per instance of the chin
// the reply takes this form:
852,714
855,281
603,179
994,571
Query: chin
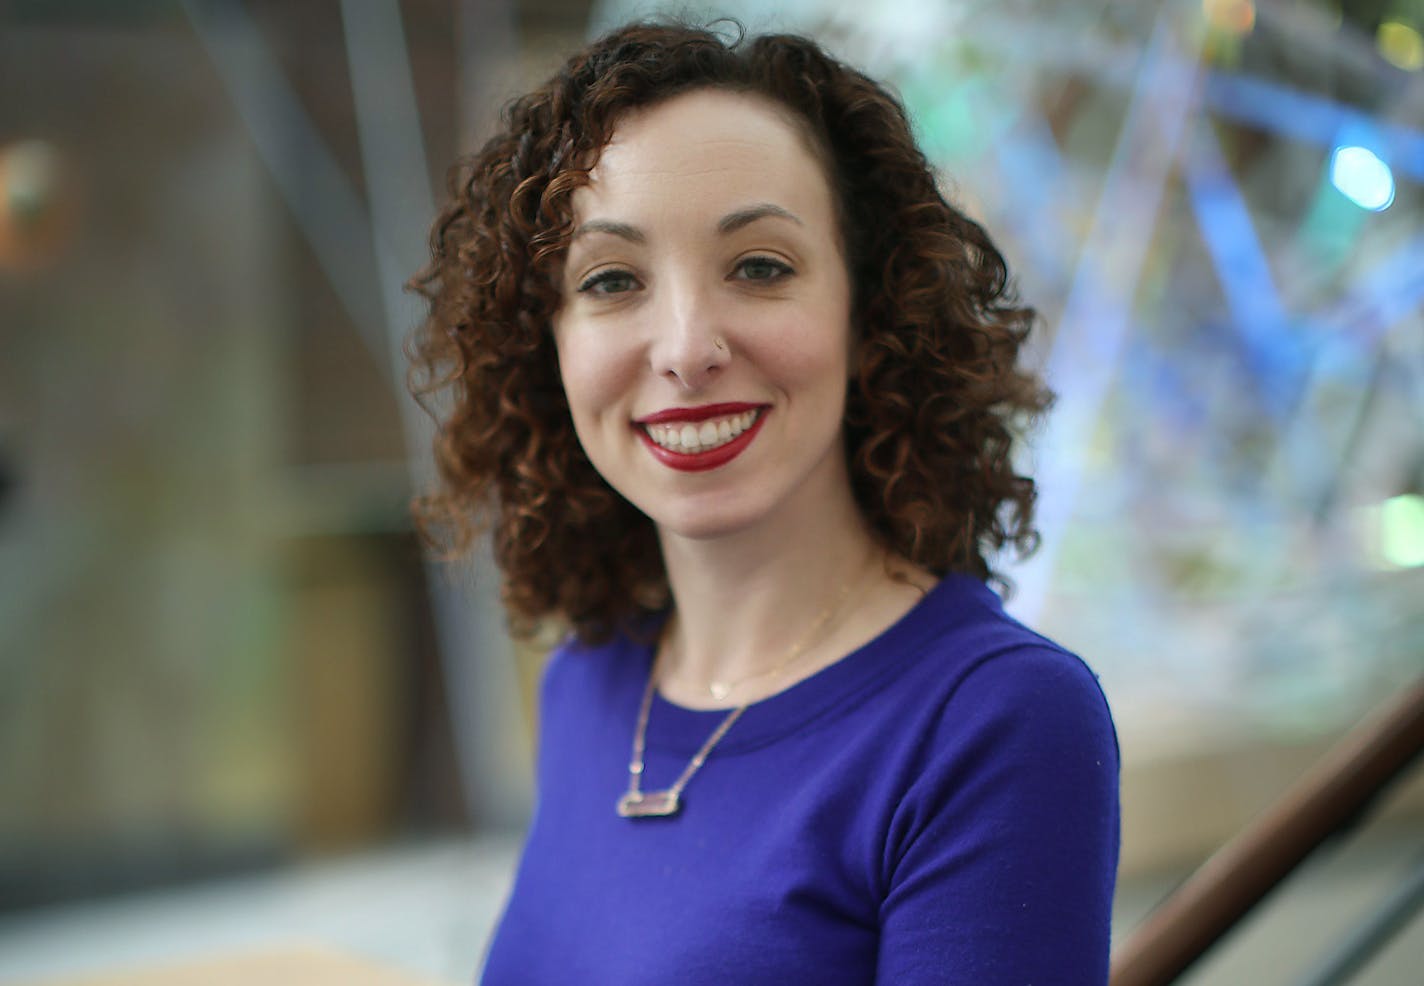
701,528
704,521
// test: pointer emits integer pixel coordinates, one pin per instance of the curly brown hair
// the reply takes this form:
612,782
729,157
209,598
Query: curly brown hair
936,393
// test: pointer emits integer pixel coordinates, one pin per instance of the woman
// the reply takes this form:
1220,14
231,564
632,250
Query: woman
735,390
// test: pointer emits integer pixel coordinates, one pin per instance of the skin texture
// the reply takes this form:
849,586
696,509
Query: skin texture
643,334
706,268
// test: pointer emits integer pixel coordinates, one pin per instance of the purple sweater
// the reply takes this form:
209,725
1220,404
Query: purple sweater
940,806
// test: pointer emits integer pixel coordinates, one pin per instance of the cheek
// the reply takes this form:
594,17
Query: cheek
814,352
593,375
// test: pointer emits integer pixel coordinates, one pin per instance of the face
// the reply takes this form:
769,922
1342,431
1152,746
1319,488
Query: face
704,331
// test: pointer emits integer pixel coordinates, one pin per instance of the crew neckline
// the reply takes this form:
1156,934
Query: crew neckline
679,729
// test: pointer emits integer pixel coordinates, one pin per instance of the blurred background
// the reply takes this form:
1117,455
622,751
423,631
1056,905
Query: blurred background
236,703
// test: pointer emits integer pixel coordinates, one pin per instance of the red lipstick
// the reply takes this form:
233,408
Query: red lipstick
694,414
712,458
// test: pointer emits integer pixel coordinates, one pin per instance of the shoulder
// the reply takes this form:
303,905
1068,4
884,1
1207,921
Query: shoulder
583,670
1018,737
988,651
1007,689
1037,698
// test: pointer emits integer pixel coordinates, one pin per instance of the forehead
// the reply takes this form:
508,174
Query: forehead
706,150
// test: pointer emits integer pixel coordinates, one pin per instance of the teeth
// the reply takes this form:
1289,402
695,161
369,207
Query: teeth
691,438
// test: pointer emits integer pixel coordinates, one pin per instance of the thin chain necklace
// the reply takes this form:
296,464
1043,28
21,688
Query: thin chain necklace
637,803
719,689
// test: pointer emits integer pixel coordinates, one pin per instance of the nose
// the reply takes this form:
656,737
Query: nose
689,347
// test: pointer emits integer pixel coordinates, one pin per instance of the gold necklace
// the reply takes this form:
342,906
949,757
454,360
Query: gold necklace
719,690
637,803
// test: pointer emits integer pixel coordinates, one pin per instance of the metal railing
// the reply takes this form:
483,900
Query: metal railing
1330,798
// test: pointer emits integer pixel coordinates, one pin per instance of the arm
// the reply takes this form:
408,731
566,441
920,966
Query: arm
1001,857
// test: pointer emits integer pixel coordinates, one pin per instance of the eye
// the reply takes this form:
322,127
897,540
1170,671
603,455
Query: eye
608,282
761,269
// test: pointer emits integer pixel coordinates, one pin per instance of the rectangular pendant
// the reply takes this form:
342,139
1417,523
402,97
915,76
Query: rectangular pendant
648,804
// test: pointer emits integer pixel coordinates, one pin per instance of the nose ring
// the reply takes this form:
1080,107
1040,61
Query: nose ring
717,342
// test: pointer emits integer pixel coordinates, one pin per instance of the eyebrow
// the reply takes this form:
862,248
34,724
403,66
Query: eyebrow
729,223
734,221
630,233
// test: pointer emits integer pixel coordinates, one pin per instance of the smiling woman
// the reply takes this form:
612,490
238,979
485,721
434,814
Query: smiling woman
735,389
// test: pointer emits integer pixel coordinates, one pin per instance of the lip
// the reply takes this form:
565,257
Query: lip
712,458
694,414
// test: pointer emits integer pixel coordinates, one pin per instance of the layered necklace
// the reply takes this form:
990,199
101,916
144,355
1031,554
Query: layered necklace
637,803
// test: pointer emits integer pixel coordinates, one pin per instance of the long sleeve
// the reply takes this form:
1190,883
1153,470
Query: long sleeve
1001,857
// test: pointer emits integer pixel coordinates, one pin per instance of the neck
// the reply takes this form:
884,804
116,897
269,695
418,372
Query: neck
747,602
